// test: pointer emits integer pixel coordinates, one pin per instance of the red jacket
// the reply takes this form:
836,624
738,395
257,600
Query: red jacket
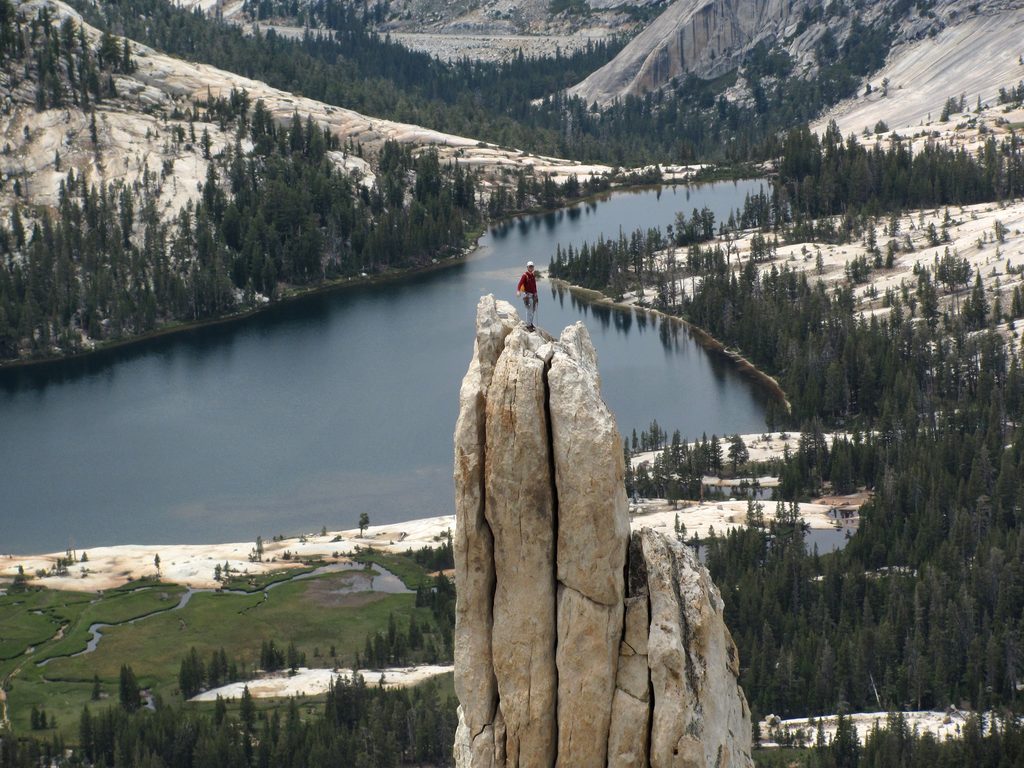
528,283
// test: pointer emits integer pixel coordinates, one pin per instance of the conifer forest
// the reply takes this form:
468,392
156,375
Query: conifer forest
921,399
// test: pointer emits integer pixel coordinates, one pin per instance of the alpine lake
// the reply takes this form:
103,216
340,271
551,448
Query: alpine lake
342,402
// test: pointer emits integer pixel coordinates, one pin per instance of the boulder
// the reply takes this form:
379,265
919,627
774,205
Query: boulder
700,715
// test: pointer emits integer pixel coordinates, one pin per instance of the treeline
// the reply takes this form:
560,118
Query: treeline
419,641
274,658
1013,94
358,725
632,261
836,176
65,67
984,743
677,472
397,646
439,597
992,743
439,558
195,676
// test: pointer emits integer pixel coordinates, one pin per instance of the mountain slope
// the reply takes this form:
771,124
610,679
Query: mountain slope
709,38
139,191
128,123
492,30
974,58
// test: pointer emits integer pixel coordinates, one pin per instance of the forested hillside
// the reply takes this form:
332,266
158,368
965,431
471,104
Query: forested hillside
923,608
520,103
107,262
275,209
131,208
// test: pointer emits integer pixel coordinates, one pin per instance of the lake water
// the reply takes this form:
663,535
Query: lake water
315,411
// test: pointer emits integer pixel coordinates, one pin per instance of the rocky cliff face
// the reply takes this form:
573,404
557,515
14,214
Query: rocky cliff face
709,38
706,37
575,643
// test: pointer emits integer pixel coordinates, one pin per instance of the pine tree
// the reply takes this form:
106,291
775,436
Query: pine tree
130,695
247,710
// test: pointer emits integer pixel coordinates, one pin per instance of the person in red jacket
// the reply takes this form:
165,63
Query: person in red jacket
527,291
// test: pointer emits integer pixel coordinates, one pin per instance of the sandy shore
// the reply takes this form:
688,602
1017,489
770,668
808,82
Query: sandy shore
193,565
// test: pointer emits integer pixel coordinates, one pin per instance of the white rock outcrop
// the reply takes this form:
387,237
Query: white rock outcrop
575,645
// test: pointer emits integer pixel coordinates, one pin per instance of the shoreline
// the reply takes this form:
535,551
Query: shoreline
706,341
192,565
293,294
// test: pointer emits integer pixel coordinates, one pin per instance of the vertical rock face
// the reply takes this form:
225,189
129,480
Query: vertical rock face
575,645
520,508
593,526
700,715
629,738
474,543
706,37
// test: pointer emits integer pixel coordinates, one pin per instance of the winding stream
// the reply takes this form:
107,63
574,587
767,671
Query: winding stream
376,579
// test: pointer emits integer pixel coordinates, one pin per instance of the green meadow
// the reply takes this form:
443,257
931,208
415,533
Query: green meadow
151,634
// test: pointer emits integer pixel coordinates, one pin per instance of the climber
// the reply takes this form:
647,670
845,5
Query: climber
527,291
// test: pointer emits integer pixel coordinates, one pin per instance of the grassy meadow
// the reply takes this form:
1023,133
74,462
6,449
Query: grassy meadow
150,633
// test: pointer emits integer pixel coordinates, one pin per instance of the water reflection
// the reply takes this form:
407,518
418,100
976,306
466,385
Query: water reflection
602,313
666,332
671,332
674,335
623,322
